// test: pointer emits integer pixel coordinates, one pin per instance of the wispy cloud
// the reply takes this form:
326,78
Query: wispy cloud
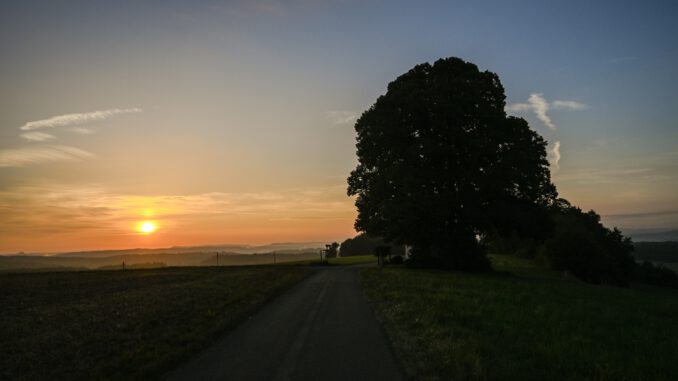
76,119
554,156
37,136
20,157
609,176
540,106
341,117
641,222
82,130
569,105
645,214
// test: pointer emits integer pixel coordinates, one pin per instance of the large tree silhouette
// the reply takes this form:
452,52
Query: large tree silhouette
440,163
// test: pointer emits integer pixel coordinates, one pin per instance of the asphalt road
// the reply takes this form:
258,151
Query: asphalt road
322,329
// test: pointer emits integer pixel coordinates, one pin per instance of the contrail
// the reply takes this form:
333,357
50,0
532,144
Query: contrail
78,118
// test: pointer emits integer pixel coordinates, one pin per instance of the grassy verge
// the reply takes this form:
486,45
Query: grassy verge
341,261
124,325
526,325
355,260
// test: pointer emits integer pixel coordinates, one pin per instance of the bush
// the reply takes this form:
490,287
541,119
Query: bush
397,260
657,275
582,246
464,253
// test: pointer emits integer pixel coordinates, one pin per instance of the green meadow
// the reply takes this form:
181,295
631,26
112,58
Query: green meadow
524,323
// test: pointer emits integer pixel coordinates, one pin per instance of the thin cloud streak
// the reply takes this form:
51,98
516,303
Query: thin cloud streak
37,136
592,176
78,118
569,105
21,157
82,130
644,214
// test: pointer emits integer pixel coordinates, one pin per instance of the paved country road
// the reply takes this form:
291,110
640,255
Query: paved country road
322,329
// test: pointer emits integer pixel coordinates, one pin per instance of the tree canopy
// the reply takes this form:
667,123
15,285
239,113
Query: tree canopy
440,163
363,244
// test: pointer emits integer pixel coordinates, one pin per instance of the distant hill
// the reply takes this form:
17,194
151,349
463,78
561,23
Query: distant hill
22,263
660,252
653,236
291,247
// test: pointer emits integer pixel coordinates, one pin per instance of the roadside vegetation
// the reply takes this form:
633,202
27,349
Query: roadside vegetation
337,261
353,260
124,324
524,323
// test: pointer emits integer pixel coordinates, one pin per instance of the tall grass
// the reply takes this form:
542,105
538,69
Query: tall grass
526,325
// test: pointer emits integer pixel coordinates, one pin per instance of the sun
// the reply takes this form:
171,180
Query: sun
147,227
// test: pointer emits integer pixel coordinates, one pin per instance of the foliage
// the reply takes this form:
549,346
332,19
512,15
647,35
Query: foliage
363,244
529,229
331,250
530,326
440,162
124,325
584,247
397,260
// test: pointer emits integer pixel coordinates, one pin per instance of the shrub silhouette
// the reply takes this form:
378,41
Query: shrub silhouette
581,245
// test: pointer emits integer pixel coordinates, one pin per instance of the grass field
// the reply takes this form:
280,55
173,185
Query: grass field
36,263
124,325
524,324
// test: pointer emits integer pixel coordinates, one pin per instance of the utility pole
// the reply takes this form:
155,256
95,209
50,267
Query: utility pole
274,257
217,258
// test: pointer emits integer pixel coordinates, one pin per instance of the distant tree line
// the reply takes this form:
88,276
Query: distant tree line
656,251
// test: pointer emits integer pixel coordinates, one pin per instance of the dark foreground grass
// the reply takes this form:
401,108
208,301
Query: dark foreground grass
527,325
124,325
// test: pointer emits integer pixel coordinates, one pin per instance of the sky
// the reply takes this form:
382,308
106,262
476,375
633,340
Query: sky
232,121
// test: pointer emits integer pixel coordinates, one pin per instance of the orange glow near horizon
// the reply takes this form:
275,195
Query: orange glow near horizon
95,218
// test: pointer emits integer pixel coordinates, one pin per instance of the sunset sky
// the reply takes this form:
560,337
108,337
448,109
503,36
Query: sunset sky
232,121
